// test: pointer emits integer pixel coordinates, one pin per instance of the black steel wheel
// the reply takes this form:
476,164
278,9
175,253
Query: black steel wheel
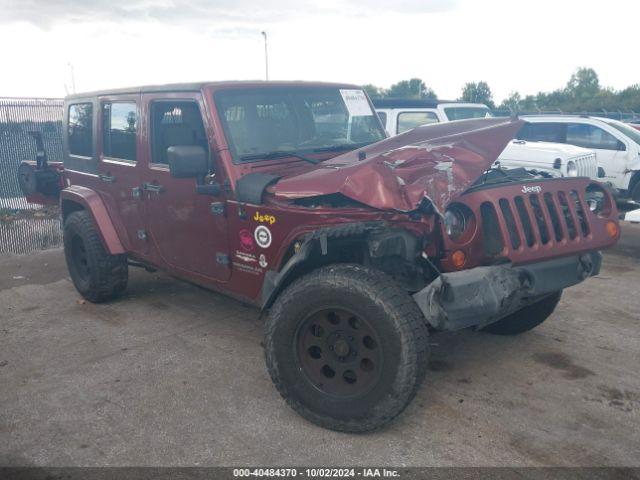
339,352
97,275
346,347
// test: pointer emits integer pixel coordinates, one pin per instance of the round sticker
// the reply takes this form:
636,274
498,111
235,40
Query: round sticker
262,236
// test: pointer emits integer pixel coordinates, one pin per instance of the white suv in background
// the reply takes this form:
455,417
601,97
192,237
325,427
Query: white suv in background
401,114
616,144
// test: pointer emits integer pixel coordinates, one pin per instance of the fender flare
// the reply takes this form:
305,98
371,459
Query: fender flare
379,241
89,200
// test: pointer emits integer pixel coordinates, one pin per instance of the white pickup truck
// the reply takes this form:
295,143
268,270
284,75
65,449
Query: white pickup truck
401,114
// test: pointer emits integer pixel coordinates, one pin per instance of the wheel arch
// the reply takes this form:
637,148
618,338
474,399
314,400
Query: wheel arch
346,243
76,198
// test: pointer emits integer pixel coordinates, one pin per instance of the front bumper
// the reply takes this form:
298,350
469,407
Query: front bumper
483,295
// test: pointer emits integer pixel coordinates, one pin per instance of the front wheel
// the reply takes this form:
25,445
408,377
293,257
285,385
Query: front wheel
346,347
526,318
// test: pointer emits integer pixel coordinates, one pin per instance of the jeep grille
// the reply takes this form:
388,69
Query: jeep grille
530,220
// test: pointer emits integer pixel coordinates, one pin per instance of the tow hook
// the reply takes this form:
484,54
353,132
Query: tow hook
585,266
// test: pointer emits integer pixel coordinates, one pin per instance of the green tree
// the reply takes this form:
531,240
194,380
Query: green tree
511,103
583,84
374,91
477,92
413,88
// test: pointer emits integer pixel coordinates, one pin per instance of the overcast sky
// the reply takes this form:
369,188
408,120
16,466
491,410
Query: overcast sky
513,45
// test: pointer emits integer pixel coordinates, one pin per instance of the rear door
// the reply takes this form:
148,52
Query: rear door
187,230
119,177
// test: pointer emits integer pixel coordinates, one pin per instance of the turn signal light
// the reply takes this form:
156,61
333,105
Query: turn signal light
612,229
458,258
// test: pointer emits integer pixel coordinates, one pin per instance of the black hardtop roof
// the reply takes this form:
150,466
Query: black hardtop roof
198,86
409,102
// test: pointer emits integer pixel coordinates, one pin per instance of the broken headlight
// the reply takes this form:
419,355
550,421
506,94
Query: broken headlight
457,219
597,199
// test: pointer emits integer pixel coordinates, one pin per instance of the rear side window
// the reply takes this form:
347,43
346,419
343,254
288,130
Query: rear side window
119,123
409,120
175,124
542,132
589,136
80,129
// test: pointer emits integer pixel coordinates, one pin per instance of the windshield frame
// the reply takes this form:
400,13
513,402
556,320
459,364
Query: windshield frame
312,149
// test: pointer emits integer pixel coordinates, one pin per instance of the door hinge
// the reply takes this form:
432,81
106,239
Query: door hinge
217,208
222,258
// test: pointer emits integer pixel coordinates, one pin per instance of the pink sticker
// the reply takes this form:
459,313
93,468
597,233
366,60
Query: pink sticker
246,240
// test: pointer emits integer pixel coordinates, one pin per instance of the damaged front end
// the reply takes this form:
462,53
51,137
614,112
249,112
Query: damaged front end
499,240
436,162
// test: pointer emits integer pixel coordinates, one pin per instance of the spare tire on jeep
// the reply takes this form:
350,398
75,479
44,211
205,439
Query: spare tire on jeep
97,275
346,347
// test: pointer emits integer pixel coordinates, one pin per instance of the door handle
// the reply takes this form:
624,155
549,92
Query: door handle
152,187
107,178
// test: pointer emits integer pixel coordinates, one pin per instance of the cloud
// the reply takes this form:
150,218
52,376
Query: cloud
49,13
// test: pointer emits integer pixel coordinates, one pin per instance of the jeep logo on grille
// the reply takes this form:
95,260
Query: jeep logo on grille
534,189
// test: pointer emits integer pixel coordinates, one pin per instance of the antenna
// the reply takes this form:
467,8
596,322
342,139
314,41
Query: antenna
73,77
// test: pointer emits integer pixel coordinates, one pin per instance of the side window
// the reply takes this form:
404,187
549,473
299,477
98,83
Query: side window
119,122
589,136
409,120
176,123
542,132
80,129
383,118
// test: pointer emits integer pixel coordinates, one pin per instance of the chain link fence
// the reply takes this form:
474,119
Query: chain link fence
25,227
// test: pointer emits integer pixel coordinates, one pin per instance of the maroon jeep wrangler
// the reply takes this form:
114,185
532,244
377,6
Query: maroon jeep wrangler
289,197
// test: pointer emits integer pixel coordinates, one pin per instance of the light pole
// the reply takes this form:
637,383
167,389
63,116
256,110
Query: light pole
73,77
266,57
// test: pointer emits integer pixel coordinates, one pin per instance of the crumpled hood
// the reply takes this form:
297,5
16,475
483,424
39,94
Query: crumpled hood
435,161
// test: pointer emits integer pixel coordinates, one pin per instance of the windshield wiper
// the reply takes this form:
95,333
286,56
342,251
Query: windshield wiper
341,147
278,154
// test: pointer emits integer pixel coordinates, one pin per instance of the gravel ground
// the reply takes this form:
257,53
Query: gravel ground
173,375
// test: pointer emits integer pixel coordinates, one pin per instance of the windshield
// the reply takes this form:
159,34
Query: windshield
630,132
462,113
296,119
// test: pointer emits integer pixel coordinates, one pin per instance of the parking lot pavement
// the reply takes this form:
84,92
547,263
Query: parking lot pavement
174,375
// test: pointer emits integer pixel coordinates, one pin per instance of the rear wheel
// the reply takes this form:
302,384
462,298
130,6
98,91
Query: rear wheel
97,275
346,347
527,318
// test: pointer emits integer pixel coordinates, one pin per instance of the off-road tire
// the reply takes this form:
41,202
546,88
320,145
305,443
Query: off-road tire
97,275
527,318
397,322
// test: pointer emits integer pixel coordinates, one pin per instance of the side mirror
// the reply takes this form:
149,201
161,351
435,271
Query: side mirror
187,161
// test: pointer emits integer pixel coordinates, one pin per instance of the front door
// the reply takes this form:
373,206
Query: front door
187,230
610,152
119,168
